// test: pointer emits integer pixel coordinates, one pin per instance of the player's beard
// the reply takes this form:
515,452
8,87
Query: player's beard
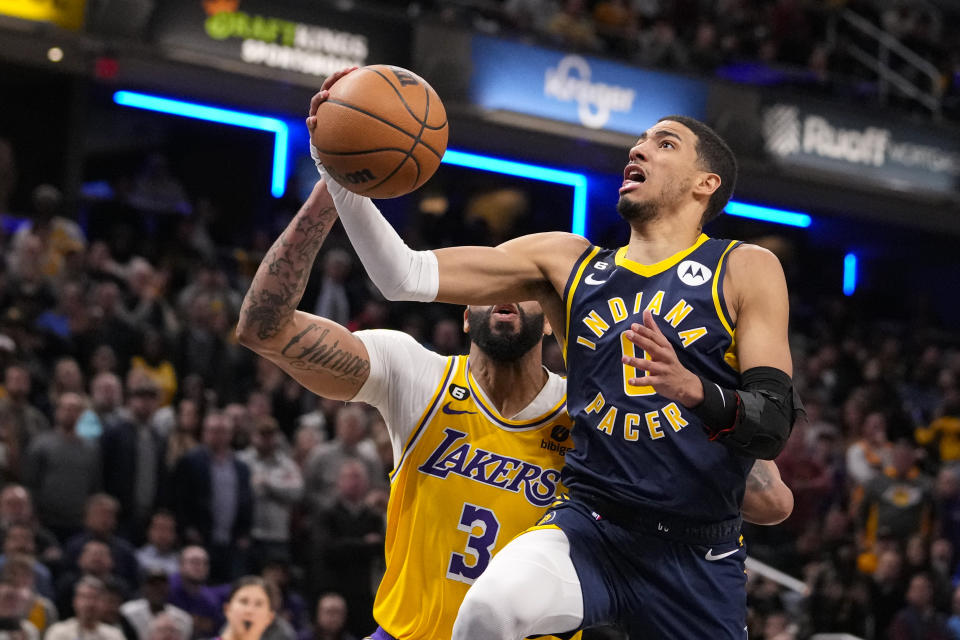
644,211
499,341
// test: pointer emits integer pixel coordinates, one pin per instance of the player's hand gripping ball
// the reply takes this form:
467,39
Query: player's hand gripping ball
381,131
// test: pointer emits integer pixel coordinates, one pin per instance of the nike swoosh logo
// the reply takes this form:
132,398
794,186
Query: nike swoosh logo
453,412
714,558
591,280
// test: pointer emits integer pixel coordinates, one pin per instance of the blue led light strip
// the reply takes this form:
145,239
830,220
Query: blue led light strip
224,116
849,274
768,214
534,172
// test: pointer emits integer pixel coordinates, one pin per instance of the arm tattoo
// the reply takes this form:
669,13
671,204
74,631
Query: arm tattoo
278,286
759,478
312,350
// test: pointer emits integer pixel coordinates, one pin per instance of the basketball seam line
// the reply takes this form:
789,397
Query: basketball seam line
407,106
409,153
386,122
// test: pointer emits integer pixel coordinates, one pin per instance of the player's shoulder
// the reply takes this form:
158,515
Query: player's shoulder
752,256
556,386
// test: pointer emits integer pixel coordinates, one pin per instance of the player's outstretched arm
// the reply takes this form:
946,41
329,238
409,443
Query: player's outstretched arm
318,353
767,499
518,270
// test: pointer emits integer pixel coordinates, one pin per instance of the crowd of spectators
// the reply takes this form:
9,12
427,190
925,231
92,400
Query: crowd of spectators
796,43
147,459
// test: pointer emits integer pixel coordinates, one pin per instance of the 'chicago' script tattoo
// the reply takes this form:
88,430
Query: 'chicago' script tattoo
310,350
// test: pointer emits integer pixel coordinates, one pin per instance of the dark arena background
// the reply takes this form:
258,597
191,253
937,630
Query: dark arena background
152,150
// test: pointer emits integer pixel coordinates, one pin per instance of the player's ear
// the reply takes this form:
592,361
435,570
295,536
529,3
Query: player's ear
707,183
466,320
547,329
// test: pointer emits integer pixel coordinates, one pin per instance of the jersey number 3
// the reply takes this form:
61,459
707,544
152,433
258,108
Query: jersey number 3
467,566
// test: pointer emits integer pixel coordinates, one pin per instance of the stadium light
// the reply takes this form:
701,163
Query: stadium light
278,181
534,172
768,214
849,274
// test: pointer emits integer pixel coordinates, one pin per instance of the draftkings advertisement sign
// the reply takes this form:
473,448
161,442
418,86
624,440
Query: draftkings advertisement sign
299,42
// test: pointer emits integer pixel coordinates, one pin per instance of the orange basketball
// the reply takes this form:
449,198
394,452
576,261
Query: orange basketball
382,132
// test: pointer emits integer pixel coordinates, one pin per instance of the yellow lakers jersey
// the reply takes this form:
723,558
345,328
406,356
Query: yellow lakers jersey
468,481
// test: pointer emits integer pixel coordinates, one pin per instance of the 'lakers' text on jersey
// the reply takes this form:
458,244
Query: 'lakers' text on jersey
632,445
469,481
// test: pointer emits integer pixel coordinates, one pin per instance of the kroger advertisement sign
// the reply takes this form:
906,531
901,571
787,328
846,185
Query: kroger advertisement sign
900,156
582,90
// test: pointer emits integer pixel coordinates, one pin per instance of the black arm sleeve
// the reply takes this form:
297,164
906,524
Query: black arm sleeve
753,421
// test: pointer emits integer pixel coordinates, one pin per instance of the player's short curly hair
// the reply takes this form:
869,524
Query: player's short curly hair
715,157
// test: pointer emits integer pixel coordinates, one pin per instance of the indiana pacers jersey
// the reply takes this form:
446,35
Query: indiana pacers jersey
468,481
634,447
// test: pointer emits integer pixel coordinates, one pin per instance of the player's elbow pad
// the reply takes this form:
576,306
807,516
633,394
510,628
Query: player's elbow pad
767,406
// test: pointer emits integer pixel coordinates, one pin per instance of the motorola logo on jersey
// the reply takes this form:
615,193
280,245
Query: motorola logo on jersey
693,273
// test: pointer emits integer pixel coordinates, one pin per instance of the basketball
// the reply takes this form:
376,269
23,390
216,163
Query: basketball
382,132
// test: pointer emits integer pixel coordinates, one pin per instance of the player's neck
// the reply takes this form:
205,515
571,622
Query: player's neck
509,386
660,238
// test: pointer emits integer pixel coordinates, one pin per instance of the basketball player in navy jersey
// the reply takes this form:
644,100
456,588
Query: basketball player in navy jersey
679,379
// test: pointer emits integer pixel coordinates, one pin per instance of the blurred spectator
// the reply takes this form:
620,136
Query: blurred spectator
331,619
18,541
58,237
332,302
291,606
249,609
106,400
277,486
133,455
919,620
12,612
110,323
113,596
157,190
151,361
39,610
351,441
446,337
140,613
660,47
95,560
898,502
213,499
868,456
944,431
953,623
62,469
347,536
149,307
573,27
887,590
160,552
25,420
189,592
87,624
164,627
185,434
100,523
306,438
16,507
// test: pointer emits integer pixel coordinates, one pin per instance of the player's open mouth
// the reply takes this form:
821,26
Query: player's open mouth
505,311
247,624
633,176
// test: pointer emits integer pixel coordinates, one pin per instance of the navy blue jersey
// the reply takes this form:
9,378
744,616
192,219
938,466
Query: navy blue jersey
633,446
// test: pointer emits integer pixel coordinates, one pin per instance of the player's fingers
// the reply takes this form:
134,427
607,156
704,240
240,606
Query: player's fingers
652,325
311,123
645,341
638,363
644,381
315,101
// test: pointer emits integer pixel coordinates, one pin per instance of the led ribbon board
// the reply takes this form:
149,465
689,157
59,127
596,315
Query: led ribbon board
223,116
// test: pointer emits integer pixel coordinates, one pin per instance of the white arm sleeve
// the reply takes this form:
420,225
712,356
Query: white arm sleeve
398,271
403,376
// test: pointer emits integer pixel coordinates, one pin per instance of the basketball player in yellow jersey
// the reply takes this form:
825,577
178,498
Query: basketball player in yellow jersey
478,440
